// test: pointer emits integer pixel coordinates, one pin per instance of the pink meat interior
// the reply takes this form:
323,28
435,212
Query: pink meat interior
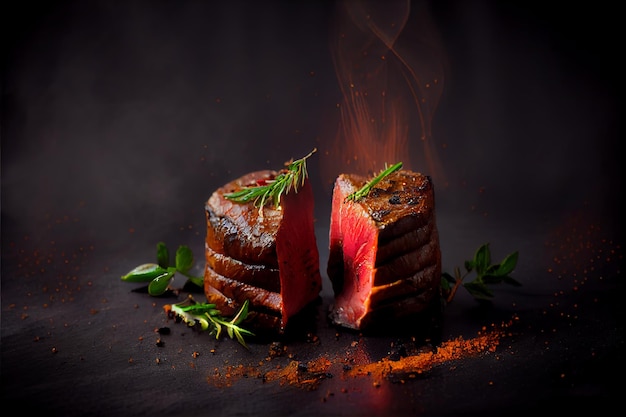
296,249
354,238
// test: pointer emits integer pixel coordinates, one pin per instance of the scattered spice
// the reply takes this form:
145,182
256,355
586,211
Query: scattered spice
276,349
454,349
303,375
310,374
225,377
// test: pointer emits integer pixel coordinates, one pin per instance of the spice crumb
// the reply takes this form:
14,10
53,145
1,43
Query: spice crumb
309,375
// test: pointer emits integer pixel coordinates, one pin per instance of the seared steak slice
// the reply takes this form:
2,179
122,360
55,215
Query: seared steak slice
261,276
242,231
239,291
268,256
384,260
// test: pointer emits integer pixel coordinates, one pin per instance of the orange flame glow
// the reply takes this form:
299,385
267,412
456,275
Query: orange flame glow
388,64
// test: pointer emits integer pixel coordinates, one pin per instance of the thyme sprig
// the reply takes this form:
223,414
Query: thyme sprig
206,316
486,274
364,191
293,176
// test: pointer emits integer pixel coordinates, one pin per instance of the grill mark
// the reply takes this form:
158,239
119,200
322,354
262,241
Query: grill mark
407,264
239,291
405,243
422,279
261,276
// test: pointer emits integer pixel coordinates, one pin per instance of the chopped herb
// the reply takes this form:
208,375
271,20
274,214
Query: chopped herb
290,177
486,274
206,316
364,191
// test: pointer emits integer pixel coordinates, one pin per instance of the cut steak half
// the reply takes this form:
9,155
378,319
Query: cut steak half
267,255
384,259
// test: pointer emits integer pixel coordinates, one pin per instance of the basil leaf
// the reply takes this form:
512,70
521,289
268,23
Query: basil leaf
163,255
479,291
482,259
159,285
492,270
508,264
144,273
199,281
184,258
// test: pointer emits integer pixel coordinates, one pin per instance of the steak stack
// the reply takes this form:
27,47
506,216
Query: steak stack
384,261
266,255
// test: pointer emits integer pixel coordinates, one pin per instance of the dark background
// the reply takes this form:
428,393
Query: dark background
119,119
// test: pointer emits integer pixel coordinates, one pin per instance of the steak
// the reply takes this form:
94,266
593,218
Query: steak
261,276
266,255
384,256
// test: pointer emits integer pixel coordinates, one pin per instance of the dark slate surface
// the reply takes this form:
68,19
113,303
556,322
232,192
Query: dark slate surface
119,120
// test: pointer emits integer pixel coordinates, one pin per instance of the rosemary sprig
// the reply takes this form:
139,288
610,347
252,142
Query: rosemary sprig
486,274
205,316
293,176
364,191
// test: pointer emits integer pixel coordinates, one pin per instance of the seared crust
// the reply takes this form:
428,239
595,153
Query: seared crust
401,203
236,290
239,230
261,276
407,264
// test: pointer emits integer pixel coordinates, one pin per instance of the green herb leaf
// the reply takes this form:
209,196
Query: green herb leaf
482,259
207,317
199,281
163,255
242,314
508,264
203,315
159,285
364,191
478,290
184,259
486,274
199,308
144,273
160,275
292,177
